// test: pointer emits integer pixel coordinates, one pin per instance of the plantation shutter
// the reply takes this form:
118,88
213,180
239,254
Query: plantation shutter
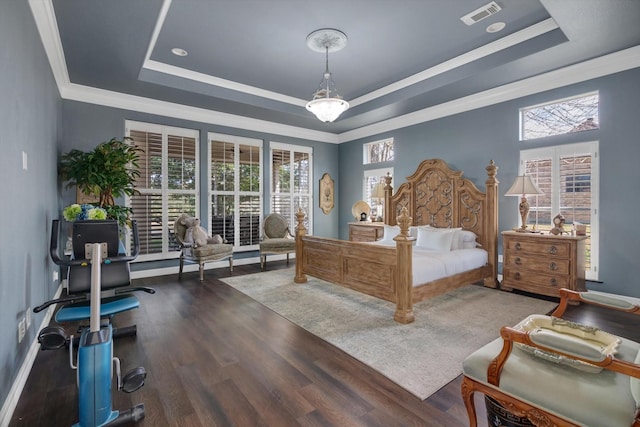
291,189
235,189
167,184
568,177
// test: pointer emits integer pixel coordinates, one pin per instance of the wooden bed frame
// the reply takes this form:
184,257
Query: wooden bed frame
434,195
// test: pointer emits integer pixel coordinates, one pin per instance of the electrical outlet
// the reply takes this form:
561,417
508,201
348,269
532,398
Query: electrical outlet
499,258
22,330
55,275
27,318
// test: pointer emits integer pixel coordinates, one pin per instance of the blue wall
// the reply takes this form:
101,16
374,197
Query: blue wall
86,125
30,117
468,141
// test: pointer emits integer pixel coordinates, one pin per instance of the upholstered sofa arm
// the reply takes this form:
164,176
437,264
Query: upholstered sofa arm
602,299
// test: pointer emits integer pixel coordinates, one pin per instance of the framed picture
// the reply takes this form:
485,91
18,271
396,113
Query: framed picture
326,193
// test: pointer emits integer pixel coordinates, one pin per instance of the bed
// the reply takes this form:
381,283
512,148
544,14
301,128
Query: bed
436,197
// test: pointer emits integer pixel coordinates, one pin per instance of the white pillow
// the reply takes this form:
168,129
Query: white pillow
438,239
464,239
390,231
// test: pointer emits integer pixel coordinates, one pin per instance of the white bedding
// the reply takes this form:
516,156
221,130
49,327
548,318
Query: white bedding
430,265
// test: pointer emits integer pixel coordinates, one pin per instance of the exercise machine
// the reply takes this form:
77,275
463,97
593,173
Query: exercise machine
95,363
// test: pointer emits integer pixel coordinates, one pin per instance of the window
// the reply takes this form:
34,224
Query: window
235,190
568,177
372,178
378,151
168,184
291,173
560,117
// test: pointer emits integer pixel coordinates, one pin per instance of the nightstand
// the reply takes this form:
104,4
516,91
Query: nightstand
543,263
365,231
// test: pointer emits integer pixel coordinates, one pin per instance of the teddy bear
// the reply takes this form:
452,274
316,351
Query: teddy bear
196,234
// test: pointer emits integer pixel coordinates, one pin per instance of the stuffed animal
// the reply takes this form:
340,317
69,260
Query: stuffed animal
196,234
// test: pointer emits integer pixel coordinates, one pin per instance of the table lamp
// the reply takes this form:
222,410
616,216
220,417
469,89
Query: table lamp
523,186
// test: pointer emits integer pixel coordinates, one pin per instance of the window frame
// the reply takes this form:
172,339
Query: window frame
366,158
164,192
236,141
366,189
522,111
292,148
555,152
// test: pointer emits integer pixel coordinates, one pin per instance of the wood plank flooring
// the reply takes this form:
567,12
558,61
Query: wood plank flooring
215,357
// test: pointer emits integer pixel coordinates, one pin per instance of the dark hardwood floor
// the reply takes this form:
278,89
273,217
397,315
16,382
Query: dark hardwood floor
215,357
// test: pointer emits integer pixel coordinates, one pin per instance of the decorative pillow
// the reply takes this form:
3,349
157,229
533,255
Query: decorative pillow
464,239
570,338
438,239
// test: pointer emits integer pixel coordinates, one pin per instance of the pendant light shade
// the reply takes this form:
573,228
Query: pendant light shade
327,104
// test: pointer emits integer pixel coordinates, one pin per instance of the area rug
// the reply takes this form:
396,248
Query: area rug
422,356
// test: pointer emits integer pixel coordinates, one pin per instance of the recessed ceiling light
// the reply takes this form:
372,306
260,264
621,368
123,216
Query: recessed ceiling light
495,27
179,52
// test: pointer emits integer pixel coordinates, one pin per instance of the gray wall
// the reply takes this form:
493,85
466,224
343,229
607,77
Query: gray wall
86,125
468,141
30,114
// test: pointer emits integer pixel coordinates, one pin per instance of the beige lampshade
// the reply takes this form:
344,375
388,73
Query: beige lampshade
523,185
378,191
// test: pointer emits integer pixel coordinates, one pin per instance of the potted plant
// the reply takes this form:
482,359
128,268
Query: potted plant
107,172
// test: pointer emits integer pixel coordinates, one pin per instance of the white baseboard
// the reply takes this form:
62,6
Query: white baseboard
11,402
190,267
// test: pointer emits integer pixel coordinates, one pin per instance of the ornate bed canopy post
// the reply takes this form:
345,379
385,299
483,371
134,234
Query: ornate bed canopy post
491,192
388,191
301,231
404,270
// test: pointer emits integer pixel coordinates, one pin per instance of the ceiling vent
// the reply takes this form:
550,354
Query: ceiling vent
483,12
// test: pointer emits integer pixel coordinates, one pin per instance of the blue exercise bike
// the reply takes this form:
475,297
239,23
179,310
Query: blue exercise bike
95,263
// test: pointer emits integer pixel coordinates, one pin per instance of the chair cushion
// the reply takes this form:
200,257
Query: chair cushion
278,245
212,249
602,399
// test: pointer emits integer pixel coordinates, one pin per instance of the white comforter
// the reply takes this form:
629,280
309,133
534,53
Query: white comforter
430,265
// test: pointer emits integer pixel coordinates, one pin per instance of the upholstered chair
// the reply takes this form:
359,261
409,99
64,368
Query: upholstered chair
554,372
276,238
200,254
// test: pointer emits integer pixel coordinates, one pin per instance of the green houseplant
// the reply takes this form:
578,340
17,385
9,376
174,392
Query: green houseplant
107,172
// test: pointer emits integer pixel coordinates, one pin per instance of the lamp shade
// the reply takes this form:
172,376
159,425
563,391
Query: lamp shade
327,109
378,191
523,185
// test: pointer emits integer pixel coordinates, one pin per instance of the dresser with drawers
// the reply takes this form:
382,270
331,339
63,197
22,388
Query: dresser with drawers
365,231
543,263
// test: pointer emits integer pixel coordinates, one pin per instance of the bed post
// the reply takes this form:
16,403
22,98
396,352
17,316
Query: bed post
388,192
301,231
404,271
491,194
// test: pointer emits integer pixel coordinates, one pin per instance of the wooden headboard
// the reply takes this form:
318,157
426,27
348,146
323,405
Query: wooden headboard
438,196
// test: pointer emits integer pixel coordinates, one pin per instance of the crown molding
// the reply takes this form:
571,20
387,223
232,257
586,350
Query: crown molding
608,64
616,62
453,63
75,92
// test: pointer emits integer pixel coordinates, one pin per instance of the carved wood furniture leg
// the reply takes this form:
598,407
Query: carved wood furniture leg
467,396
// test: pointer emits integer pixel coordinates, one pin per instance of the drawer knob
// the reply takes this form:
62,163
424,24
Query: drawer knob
518,247
553,266
553,250
553,282
517,275
518,261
